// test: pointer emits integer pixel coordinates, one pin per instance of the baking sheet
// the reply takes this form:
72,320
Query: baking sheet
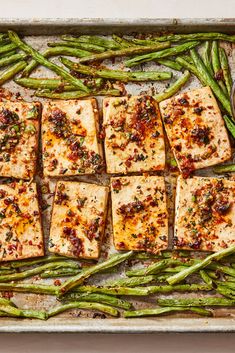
38,32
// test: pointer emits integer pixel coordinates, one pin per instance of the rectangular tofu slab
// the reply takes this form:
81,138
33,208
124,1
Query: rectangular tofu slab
133,131
139,211
20,222
78,219
19,128
205,214
195,129
70,138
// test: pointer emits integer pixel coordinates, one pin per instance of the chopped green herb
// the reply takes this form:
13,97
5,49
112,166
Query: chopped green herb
32,113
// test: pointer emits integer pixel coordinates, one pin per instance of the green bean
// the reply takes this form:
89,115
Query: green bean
10,72
77,53
6,55
224,269
225,291
60,273
179,288
98,298
68,46
30,262
3,36
144,42
220,169
181,253
2,314
110,270
4,42
207,279
11,59
103,42
215,60
161,277
186,57
165,254
208,79
137,291
140,59
37,270
230,279
226,69
7,272
157,267
151,269
85,46
4,301
85,306
146,256
206,301
191,68
200,265
41,60
230,125
206,56
80,278
124,43
212,274
125,52
174,269
228,284
170,63
166,62
7,48
215,57
195,36
77,94
26,313
63,50
130,282
54,83
161,311
117,74
29,288
174,88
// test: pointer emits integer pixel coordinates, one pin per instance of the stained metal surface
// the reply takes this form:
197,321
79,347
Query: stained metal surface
108,26
68,322
151,325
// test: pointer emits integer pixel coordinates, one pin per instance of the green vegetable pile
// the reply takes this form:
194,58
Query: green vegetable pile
168,272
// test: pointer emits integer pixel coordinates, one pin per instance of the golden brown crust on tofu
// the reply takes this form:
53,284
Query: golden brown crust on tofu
70,138
139,211
195,129
78,219
205,214
133,132
20,222
19,130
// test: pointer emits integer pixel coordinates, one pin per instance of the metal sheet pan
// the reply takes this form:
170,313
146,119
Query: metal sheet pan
52,27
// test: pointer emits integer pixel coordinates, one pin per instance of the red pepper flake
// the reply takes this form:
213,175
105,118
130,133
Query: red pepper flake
116,185
128,162
121,244
2,193
57,282
7,295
